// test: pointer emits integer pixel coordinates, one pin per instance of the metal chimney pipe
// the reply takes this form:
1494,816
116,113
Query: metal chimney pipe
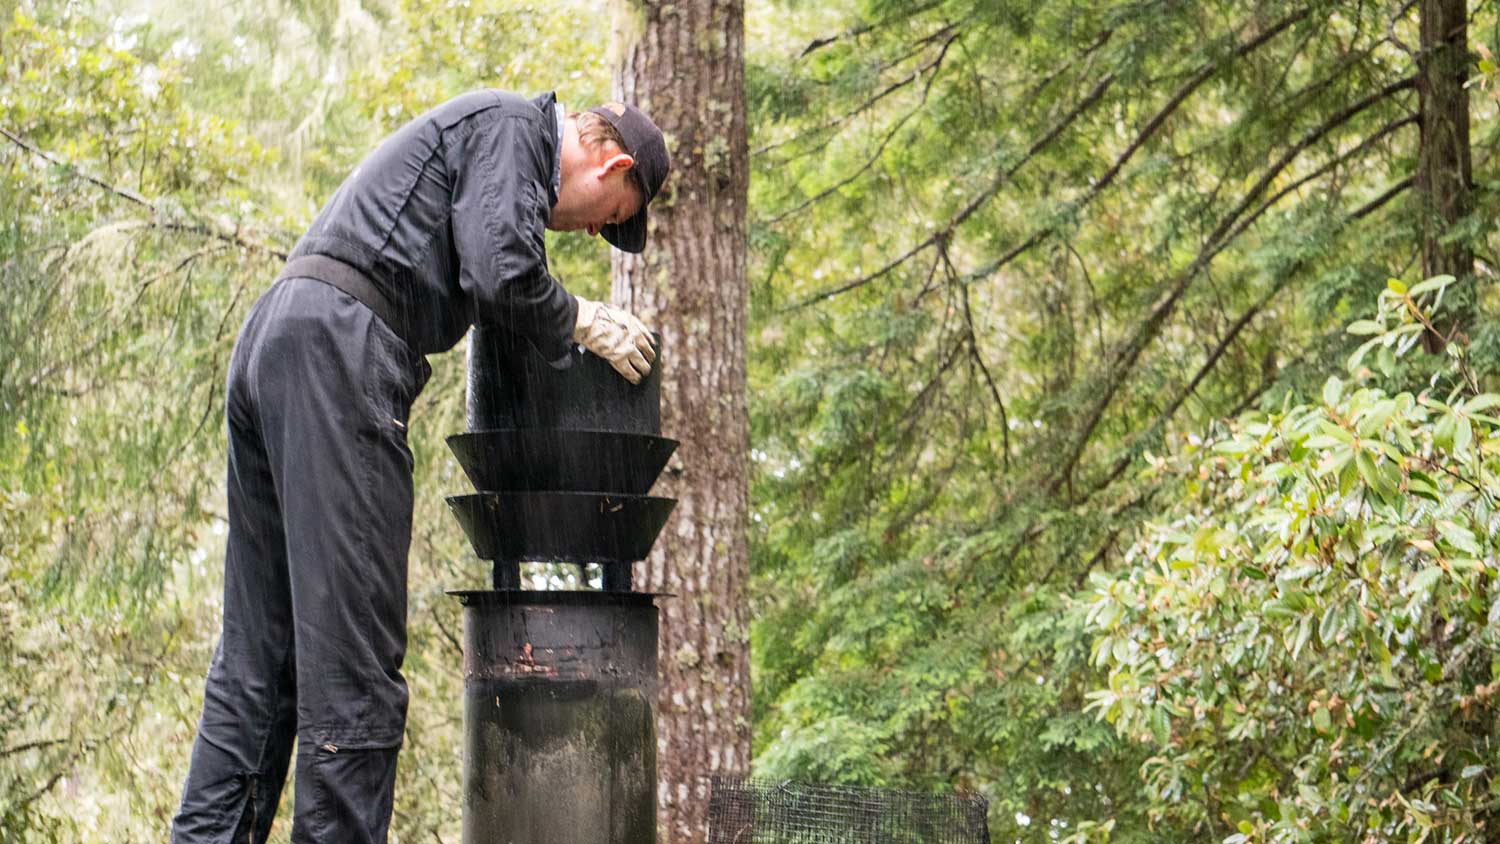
559,686
559,717
511,386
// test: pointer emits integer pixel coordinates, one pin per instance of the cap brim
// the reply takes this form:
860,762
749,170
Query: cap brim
629,236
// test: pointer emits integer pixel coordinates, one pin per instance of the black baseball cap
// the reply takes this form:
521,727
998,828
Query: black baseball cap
644,143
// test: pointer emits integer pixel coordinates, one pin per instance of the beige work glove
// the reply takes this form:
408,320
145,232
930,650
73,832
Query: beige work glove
617,336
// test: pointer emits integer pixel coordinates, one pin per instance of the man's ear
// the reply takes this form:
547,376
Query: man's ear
620,161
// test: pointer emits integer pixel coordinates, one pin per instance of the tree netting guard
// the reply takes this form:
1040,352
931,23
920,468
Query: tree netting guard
745,811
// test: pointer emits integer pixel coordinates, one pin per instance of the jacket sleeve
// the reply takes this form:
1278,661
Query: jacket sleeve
500,211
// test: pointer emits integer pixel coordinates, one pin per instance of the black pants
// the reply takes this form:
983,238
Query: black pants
320,509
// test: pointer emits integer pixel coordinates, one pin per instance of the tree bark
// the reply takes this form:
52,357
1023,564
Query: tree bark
1444,172
683,64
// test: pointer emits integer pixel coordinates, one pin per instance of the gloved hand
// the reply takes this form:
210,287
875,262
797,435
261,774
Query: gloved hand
617,336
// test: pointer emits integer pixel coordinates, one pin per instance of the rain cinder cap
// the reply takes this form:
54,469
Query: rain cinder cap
644,143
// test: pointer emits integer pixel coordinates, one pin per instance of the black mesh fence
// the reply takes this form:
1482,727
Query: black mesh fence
745,811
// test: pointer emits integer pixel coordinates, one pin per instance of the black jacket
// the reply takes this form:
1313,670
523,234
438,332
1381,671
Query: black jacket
447,218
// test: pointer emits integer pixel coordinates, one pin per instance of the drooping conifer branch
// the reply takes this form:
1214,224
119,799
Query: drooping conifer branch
935,65
1092,98
1205,72
1229,227
1243,321
1038,236
865,28
159,220
947,34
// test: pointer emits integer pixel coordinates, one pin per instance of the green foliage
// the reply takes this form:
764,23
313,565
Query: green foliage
158,160
114,336
1003,255
1305,639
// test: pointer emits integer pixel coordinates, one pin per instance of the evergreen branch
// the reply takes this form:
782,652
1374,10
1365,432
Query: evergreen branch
124,193
868,103
437,618
47,786
1041,84
1333,163
911,416
1040,144
231,236
1249,315
1296,99
1229,227
916,47
935,65
988,379
1266,381
1099,555
866,28
1124,461
1220,348
1011,254
1151,128
1390,28
1115,518
1389,194
919,405
1153,125
28,384
82,749
905,516
1294,59
30,745
234,237
1088,281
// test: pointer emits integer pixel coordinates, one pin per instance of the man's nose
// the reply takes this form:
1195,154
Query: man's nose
594,229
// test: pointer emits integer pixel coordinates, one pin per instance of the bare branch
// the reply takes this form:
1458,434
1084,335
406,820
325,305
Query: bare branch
989,380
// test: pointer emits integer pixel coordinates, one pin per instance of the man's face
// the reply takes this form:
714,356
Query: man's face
596,192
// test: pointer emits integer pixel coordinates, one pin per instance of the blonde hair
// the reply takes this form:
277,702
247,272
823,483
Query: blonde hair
594,132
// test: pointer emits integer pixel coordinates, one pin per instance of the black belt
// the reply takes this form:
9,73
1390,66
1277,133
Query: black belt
336,273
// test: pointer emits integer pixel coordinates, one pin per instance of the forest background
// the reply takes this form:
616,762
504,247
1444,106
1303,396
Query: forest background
1120,402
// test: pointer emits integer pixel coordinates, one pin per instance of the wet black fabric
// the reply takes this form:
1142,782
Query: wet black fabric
319,511
448,215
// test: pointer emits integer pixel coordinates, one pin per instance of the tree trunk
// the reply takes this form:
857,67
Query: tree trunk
1443,167
683,64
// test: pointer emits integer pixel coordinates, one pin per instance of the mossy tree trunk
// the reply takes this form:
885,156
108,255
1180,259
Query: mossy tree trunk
1444,172
683,63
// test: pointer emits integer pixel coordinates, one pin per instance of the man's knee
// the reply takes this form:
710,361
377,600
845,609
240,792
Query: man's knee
344,793
338,709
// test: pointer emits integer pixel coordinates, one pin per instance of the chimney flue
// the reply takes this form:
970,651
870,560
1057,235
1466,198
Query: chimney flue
559,685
